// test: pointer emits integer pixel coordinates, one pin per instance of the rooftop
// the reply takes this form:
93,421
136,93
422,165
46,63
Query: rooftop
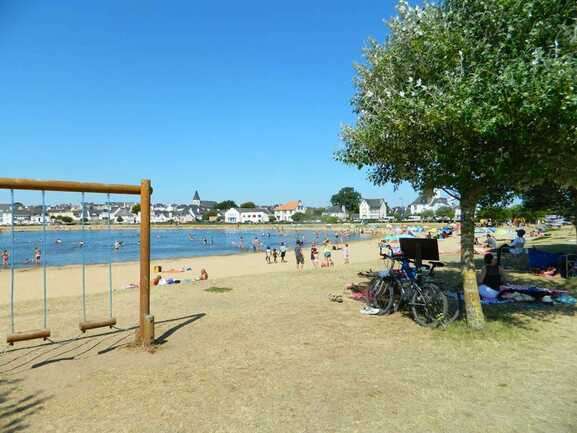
291,205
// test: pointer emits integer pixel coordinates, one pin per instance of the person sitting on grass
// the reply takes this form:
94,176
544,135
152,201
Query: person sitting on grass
518,244
490,243
492,277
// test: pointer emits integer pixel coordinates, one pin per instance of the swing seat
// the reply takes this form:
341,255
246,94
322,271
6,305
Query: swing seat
28,335
94,324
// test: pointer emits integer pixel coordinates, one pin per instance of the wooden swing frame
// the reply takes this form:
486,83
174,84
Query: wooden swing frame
145,332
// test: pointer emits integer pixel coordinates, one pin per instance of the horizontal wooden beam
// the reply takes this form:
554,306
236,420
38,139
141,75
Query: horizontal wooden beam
60,185
93,324
28,335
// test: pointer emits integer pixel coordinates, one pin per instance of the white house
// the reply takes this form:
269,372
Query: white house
434,202
285,212
339,212
373,209
243,215
124,216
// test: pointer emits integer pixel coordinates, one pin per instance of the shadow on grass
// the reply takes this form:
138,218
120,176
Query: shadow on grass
519,315
14,411
187,320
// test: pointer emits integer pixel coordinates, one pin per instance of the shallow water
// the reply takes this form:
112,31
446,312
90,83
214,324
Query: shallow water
63,247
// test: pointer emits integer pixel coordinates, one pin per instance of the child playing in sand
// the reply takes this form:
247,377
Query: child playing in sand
203,275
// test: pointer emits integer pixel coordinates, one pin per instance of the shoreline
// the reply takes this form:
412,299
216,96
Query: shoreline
245,227
340,226
66,280
246,251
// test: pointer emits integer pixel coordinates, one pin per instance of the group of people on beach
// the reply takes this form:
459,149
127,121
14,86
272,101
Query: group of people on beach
272,255
37,257
327,257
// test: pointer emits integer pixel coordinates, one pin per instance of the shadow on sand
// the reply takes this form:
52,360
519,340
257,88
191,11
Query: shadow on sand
14,412
83,346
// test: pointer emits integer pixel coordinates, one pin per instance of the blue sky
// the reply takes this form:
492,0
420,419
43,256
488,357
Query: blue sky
240,100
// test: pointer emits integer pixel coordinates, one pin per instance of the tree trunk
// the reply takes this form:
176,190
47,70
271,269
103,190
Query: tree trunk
475,317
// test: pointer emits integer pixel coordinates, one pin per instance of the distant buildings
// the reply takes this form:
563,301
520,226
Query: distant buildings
373,209
238,215
285,212
339,212
433,202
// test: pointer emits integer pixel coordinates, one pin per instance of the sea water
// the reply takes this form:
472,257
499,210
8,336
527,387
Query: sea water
64,247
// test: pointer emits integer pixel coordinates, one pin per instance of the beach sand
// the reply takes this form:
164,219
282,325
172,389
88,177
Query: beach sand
273,354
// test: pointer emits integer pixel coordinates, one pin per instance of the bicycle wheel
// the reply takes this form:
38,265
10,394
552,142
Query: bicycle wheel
455,306
381,295
429,305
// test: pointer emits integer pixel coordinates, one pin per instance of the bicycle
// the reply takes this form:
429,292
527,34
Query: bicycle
392,289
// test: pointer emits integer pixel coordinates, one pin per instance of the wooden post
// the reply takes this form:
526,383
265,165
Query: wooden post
148,331
145,193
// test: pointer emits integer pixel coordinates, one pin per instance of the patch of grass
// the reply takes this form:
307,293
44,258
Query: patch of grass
218,289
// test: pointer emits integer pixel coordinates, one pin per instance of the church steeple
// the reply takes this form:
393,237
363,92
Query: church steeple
196,199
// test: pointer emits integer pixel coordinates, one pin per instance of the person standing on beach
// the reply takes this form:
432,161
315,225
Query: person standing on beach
314,255
5,258
274,254
37,255
267,255
282,250
327,253
299,256
346,254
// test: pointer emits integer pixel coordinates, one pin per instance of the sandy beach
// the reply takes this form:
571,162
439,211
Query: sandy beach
66,280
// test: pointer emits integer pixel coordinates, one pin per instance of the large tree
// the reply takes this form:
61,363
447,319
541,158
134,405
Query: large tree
476,97
347,197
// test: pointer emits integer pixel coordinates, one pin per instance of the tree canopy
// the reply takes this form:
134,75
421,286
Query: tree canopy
248,205
298,217
446,212
226,205
347,197
476,97
553,198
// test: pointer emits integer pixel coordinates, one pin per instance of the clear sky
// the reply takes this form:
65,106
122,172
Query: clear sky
238,99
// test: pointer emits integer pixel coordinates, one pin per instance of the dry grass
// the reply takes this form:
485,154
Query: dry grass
274,355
